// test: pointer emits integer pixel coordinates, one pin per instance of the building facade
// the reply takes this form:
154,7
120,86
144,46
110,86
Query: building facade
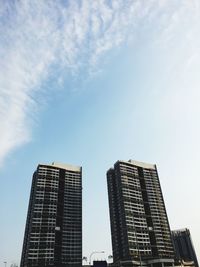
53,233
139,223
184,249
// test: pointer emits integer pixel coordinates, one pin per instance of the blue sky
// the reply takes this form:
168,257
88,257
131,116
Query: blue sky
91,82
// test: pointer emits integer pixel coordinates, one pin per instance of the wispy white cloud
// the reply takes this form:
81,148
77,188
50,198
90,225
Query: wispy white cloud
37,35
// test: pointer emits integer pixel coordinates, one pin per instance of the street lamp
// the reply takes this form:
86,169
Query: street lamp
94,252
110,257
84,259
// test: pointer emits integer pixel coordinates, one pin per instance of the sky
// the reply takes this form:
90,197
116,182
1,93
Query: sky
92,82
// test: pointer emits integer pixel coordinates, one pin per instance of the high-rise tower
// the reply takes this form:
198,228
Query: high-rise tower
184,248
139,224
53,234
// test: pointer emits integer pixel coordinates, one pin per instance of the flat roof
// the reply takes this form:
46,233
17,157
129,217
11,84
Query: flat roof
65,166
141,164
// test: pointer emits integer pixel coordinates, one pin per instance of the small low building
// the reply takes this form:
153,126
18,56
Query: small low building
100,264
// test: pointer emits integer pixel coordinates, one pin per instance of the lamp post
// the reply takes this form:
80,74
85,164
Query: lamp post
94,252
5,262
110,257
84,259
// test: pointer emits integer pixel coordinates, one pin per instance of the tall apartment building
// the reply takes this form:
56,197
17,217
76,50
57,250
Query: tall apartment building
184,248
53,233
139,224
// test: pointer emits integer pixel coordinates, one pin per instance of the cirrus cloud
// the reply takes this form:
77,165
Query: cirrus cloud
37,35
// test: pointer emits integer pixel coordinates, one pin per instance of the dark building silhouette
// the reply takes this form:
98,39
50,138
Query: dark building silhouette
184,249
100,264
53,233
139,225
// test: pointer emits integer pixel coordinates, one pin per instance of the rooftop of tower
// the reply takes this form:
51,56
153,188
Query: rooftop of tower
65,166
143,164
